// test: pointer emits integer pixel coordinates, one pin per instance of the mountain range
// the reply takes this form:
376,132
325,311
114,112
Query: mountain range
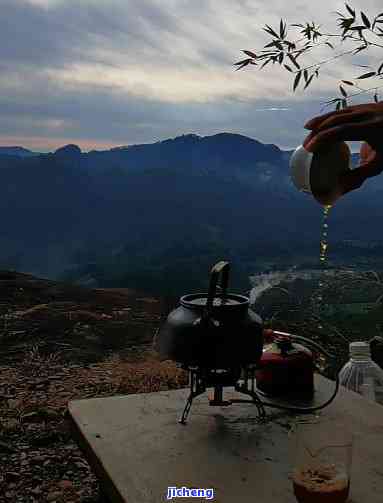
156,216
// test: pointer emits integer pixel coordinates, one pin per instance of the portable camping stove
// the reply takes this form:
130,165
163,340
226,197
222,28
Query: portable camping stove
202,378
219,340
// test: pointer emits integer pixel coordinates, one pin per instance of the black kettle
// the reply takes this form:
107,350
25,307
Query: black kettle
212,330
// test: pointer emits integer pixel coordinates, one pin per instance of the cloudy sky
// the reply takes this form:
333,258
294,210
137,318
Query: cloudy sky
102,73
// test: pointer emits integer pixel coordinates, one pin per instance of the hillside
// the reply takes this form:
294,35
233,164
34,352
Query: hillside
83,324
156,216
17,152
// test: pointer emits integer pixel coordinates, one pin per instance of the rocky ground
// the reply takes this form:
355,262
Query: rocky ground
60,342
39,460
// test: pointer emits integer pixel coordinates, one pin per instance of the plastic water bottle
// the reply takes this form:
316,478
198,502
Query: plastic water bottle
361,374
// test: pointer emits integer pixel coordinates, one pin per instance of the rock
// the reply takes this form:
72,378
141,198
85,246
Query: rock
11,424
12,476
6,447
54,495
37,459
65,484
46,439
30,416
14,403
43,414
56,377
81,465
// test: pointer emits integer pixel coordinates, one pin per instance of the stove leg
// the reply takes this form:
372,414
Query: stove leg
186,410
243,388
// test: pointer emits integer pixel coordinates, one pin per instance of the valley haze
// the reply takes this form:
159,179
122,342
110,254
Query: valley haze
156,216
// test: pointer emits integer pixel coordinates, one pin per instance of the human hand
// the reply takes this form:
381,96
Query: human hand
357,123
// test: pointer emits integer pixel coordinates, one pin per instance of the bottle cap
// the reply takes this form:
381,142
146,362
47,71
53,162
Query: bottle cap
360,350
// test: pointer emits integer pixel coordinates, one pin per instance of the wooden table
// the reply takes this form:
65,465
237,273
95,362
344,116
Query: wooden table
138,449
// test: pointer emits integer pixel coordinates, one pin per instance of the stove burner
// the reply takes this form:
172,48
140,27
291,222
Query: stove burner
202,378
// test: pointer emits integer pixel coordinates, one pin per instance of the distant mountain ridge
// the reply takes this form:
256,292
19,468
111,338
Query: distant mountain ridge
163,212
17,151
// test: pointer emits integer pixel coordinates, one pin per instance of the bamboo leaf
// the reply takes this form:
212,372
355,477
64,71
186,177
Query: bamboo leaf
329,44
305,75
343,91
334,100
288,68
365,20
366,75
376,99
294,61
350,10
281,29
242,64
380,69
359,49
297,79
309,81
269,30
265,63
348,82
280,58
250,53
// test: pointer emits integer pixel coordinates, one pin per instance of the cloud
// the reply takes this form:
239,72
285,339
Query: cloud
273,109
140,70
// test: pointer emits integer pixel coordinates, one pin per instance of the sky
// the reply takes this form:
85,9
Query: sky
104,73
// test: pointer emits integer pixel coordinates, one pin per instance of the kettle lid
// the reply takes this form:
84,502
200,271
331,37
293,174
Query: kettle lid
200,300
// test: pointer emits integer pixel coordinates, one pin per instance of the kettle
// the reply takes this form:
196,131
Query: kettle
213,329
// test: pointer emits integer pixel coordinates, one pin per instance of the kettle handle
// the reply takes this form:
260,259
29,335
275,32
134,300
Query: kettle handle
222,268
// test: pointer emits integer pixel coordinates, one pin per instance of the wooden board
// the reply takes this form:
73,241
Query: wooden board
138,449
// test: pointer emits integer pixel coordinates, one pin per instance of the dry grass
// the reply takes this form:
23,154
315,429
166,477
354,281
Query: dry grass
33,402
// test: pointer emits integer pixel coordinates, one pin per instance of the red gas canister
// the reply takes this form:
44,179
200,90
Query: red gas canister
285,368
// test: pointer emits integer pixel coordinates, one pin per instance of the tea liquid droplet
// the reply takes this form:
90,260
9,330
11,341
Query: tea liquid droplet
323,239
322,258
